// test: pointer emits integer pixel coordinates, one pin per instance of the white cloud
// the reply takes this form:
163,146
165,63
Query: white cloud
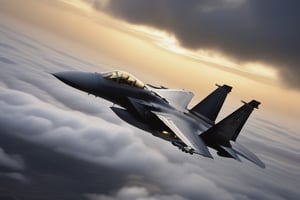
133,193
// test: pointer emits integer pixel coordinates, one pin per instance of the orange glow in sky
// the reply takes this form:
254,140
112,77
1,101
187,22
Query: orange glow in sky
170,43
152,55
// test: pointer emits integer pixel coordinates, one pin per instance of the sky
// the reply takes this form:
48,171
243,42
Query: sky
58,143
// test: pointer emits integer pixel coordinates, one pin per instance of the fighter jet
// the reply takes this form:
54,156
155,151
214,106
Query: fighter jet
164,112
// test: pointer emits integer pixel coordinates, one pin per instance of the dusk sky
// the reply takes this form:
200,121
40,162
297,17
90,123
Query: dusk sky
59,143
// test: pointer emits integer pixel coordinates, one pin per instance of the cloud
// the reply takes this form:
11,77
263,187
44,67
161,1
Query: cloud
15,175
14,162
75,147
245,30
121,150
11,166
137,193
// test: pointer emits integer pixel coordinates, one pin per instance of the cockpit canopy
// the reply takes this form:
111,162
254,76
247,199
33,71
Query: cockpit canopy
124,78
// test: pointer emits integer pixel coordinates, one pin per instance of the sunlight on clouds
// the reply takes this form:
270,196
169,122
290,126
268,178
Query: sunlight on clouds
168,42
101,3
79,4
258,68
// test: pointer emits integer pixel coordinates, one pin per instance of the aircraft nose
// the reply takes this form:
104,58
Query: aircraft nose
87,82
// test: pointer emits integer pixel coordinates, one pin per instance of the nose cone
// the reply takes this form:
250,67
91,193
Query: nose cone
88,82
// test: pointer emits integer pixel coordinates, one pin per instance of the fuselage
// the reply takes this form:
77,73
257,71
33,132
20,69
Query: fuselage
164,112
120,88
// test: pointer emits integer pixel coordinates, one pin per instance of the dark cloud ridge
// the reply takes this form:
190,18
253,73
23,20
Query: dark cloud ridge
245,30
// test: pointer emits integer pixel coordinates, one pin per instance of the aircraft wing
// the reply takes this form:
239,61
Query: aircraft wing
184,132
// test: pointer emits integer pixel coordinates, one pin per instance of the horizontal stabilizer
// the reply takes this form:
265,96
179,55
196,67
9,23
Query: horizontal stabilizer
242,151
231,152
209,108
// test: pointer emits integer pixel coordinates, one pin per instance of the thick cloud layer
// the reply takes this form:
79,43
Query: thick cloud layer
246,30
68,145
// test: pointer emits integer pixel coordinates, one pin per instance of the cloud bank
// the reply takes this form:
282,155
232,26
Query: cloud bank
245,30
69,145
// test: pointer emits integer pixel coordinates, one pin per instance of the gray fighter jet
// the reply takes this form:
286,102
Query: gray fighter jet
164,112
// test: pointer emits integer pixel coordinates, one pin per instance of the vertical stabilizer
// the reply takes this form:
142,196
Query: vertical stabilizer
209,108
230,127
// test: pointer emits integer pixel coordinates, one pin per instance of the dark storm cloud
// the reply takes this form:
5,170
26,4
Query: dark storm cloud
11,161
11,166
69,145
54,175
246,30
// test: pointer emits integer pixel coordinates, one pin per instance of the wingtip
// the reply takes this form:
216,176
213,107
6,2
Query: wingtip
207,155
